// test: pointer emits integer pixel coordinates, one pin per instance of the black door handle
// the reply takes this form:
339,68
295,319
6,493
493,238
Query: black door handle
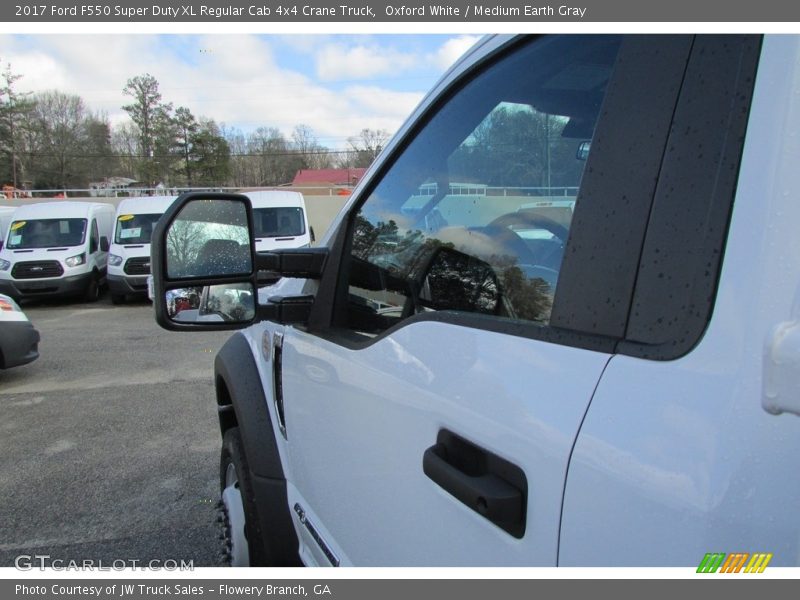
488,484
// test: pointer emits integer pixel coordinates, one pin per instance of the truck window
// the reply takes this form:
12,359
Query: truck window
278,221
474,215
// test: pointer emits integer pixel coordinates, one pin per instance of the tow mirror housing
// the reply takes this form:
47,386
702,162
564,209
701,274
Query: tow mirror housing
206,270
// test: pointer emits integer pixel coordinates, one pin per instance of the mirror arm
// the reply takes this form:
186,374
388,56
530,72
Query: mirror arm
304,263
286,309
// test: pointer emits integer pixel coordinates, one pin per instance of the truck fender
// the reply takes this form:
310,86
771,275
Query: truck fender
241,402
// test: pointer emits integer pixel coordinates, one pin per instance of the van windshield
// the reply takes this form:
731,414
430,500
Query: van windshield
135,229
278,221
46,233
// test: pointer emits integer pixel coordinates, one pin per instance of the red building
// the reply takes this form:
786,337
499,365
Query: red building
328,177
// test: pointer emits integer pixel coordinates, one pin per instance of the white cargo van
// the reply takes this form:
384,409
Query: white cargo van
279,220
56,249
129,257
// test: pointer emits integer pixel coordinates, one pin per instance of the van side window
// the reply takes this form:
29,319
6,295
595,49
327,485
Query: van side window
94,239
474,215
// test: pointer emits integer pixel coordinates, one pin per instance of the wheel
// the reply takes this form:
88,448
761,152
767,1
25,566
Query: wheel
117,298
242,537
92,293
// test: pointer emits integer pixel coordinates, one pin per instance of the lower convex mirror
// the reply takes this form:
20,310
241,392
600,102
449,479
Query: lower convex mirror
230,303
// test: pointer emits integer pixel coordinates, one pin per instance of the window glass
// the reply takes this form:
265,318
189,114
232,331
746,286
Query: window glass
94,239
135,229
474,215
278,221
46,233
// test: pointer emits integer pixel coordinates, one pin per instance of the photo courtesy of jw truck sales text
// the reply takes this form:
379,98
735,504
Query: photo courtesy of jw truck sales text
570,347
139,590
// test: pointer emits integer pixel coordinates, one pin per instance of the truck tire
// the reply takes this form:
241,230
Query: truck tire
117,298
244,545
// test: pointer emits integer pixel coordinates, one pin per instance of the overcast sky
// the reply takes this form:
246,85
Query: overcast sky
338,85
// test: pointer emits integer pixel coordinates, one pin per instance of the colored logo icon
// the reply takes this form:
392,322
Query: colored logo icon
739,562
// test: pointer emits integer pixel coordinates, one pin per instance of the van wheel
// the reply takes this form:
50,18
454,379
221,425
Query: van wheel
117,298
92,293
241,535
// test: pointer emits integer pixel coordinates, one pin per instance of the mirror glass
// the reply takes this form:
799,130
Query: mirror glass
229,303
209,238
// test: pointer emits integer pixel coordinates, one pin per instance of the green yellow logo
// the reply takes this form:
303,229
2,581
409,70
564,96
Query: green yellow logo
737,562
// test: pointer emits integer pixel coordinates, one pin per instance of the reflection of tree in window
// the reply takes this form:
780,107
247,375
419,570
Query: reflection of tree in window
491,154
456,281
529,299
365,236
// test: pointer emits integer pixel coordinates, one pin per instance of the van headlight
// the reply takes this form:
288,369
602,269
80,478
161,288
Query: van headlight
114,260
4,264
74,261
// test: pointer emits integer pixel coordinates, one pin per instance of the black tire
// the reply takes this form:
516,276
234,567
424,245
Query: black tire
92,293
233,453
117,298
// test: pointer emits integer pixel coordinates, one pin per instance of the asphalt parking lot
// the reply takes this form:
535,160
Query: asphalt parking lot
109,444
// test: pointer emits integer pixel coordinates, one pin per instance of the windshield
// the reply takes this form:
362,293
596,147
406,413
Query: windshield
135,229
282,221
46,233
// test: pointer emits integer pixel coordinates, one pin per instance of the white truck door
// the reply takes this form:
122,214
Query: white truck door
677,459
431,419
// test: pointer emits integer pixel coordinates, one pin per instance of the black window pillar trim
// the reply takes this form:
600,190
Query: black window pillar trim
682,254
613,207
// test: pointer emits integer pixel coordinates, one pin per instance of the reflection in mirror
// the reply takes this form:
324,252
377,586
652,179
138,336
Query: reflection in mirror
182,303
229,303
457,281
209,238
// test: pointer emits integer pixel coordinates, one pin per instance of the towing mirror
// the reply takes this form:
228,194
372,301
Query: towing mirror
206,271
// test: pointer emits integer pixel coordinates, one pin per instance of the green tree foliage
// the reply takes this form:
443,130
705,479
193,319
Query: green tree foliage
186,128
155,125
209,156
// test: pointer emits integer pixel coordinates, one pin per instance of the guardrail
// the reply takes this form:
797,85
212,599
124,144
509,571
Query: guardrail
313,190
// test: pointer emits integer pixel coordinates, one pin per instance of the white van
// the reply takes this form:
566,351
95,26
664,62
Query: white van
280,220
6,214
129,258
56,249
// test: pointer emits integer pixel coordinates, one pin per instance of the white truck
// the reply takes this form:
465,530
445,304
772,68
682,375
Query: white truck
56,249
279,220
619,390
129,256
